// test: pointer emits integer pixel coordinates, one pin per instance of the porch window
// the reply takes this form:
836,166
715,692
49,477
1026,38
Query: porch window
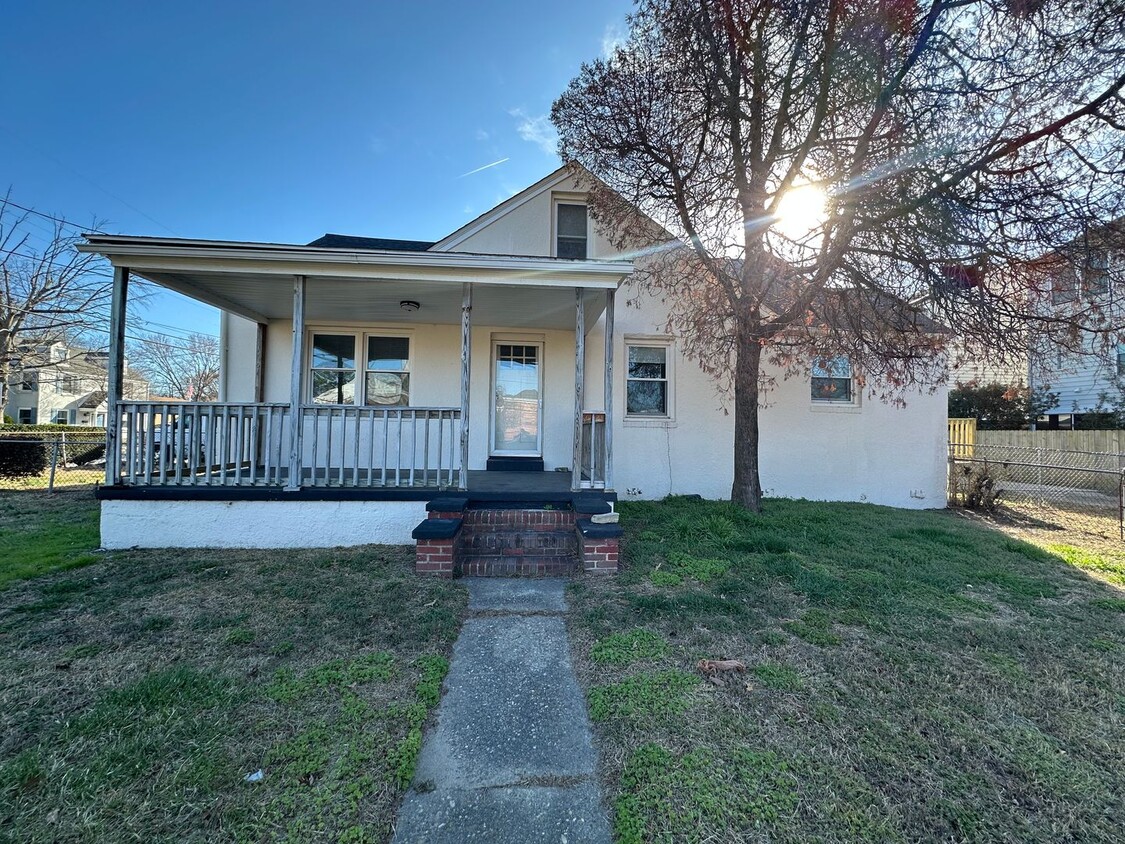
833,381
646,381
570,230
333,369
380,378
388,372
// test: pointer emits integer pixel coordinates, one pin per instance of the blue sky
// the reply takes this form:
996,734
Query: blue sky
282,120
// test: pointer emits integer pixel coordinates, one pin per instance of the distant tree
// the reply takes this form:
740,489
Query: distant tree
48,293
182,368
1000,407
822,164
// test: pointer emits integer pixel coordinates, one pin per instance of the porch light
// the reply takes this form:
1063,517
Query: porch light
409,305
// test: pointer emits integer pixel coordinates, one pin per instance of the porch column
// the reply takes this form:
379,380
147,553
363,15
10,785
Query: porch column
115,386
295,395
466,359
608,387
259,364
579,386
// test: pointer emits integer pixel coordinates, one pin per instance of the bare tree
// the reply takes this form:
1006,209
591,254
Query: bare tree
184,368
48,294
823,164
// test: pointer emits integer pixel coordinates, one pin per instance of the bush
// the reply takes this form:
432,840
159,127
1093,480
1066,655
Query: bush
23,458
974,487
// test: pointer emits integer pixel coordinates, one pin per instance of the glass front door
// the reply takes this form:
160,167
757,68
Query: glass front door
517,390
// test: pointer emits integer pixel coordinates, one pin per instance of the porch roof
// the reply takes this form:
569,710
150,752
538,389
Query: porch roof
253,280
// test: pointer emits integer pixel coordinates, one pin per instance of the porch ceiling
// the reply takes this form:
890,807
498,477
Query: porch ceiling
254,280
337,299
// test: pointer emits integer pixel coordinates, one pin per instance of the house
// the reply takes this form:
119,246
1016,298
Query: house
57,384
1087,373
511,361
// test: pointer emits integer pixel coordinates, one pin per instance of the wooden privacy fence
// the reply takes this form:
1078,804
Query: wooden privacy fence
962,437
1099,442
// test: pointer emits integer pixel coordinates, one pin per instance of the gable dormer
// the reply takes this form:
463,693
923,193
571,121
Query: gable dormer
547,220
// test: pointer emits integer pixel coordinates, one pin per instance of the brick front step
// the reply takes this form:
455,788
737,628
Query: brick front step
460,539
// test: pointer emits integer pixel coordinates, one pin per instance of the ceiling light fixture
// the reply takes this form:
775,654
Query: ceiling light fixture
409,305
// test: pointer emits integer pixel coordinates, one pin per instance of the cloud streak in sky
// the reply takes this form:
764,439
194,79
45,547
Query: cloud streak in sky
537,130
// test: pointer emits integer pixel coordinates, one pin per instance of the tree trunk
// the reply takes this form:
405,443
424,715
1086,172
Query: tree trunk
747,487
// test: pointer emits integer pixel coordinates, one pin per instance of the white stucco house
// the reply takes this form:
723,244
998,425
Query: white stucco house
362,378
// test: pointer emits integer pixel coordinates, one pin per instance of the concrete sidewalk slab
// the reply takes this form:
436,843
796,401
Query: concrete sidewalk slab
512,594
515,815
512,709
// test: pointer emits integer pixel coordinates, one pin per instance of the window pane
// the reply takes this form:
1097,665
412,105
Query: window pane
333,387
572,221
647,361
571,247
333,351
388,389
647,398
832,368
832,389
388,353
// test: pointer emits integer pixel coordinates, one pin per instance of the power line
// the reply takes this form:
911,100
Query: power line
59,220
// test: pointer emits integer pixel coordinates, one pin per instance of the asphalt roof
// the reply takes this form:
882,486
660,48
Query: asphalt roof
347,241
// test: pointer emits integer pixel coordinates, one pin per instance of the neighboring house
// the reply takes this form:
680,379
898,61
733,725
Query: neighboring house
365,377
60,385
1088,378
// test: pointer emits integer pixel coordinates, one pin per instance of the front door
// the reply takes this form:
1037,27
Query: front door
517,406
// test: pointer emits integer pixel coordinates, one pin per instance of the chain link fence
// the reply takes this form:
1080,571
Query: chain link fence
1074,491
49,461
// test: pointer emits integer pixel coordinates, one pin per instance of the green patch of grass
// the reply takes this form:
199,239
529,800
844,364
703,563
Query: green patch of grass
1111,604
90,649
40,533
645,694
780,678
702,795
156,623
625,648
240,636
814,627
288,686
1103,566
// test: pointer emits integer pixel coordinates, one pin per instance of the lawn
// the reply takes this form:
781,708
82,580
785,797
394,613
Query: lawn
140,690
910,676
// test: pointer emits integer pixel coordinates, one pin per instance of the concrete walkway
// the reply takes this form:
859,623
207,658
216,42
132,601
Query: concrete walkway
511,758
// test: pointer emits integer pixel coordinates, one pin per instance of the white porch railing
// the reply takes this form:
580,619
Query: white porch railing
244,444
593,451
381,446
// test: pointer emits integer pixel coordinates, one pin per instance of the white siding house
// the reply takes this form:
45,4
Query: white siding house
362,377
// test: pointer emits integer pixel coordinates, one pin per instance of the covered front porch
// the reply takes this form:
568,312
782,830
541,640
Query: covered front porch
492,372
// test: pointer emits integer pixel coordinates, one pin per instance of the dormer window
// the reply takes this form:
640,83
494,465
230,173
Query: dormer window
570,230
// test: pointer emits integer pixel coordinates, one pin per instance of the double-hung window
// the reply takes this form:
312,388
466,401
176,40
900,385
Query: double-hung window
646,381
1095,274
371,369
833,381
27,415
1121,359
570,230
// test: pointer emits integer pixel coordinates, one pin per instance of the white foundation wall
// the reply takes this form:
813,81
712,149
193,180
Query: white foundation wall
258,524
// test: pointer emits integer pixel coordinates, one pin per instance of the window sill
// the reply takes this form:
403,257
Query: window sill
648,422
835,407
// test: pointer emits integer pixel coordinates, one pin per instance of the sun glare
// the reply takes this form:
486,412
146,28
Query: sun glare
801,212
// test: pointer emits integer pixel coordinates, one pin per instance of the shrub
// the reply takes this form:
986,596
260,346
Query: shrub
975,487
23,458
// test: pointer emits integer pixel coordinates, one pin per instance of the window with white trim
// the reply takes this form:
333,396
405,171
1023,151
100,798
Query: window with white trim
833,381
61,417
27,415
1095,274
647,391
570,230
353,368
1121,359
27,382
